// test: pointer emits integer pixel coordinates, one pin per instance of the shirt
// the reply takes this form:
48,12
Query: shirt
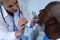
14,26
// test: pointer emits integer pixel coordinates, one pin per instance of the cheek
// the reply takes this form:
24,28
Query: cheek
9,9
17,5
43,18
58,19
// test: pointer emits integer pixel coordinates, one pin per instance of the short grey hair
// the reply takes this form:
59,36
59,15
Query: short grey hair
1,1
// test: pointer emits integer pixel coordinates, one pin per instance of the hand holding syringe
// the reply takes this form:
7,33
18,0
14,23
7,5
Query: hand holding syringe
34,20
34,14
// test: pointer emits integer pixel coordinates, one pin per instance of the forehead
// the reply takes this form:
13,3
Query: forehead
11,1
56,8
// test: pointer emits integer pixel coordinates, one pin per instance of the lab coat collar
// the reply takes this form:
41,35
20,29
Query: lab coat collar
5,14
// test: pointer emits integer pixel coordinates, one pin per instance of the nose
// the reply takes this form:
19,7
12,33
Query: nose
15,7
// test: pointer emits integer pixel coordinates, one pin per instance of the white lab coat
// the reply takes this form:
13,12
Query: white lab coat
6,32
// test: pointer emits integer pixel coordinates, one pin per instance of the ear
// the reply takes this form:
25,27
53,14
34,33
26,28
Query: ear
51,21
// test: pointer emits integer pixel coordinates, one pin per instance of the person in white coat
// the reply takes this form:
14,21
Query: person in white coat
12,22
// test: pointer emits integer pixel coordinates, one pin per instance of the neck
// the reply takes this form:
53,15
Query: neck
10,13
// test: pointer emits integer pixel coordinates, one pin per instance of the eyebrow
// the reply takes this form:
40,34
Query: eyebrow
13,4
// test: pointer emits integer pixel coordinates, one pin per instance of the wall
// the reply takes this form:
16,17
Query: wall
36,5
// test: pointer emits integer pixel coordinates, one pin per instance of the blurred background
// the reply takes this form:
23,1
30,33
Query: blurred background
33,5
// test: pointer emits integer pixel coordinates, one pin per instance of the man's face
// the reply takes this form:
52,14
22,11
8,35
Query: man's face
53,12
11,5
42,16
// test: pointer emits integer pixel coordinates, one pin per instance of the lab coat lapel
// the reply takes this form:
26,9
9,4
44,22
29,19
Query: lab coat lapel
10,23
7,19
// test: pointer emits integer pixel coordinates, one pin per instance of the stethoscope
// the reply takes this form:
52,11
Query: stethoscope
19,13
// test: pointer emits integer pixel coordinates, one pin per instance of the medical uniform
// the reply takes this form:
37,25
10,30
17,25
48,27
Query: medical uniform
6,29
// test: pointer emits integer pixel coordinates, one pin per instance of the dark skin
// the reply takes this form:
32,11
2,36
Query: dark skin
51,28
50,16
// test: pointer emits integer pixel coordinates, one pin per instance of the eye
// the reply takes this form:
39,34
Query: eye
10,6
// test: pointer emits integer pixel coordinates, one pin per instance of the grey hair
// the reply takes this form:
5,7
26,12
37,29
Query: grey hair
1,1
